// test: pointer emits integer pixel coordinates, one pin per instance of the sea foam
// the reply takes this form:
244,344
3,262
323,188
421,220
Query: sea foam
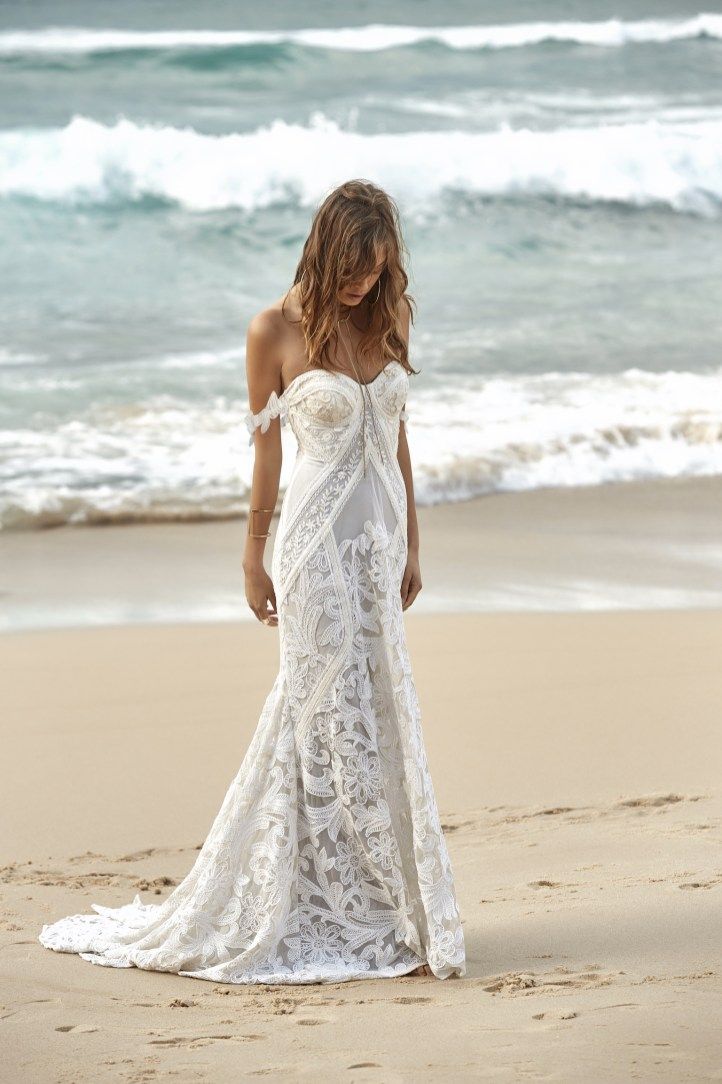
167,459
676,164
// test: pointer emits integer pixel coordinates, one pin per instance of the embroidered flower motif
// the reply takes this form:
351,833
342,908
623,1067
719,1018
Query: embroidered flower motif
377,534
253,913
383,850
362,777
447,946
320,942
350,862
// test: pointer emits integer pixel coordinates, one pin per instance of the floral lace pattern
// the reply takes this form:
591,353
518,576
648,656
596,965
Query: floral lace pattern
326,861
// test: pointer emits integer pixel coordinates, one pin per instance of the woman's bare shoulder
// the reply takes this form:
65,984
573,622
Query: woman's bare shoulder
269,327
268,343
265,327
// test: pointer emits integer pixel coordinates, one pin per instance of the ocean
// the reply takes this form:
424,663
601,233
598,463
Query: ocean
559,176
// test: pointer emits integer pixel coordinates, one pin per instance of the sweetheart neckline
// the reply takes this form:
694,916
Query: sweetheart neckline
336,372
277,404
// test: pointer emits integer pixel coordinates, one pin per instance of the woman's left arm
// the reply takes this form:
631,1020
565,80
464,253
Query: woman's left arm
411,582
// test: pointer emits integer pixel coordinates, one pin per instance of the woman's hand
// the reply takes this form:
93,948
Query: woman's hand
411,583
260,595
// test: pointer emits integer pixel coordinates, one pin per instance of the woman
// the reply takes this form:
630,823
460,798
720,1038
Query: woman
327,861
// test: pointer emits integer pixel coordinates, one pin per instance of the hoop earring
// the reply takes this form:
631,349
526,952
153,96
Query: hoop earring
378,292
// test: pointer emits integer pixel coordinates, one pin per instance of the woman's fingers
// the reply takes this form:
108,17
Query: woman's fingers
413,590
261,597
265,611
270,602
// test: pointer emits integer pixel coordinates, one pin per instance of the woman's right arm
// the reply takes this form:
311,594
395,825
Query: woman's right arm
263,372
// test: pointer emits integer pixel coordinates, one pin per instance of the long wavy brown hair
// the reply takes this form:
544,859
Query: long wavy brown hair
355,226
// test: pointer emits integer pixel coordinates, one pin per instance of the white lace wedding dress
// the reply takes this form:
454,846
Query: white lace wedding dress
327,860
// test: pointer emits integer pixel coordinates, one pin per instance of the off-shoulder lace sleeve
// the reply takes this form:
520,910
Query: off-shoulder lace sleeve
274,408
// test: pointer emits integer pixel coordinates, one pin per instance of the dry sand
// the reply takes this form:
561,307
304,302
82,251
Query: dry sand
577,764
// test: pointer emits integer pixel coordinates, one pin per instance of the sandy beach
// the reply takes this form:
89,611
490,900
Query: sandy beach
545,187
576,758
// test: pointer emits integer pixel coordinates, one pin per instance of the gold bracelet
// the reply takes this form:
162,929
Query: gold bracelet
251,513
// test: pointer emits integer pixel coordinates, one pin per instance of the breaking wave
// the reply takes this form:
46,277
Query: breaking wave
675,164
607,33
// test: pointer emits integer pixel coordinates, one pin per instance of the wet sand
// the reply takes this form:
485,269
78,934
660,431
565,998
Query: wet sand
640,545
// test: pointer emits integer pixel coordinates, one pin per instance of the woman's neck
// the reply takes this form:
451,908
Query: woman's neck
359,315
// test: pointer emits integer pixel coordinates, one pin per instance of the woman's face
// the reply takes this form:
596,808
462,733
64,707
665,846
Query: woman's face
354,292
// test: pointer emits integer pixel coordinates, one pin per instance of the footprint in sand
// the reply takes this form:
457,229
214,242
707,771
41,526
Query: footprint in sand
451,827
154,884
510,982
656,801
284,1006
561,978
194,1042
77,1029
137,856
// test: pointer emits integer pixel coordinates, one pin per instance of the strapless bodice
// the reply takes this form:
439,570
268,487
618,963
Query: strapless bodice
324,408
